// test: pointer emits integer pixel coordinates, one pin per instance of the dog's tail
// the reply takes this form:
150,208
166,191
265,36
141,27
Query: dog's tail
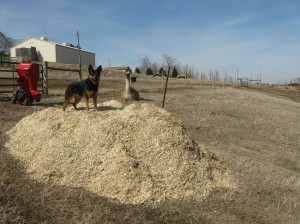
68,93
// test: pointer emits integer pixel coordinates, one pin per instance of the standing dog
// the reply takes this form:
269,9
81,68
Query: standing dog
87,88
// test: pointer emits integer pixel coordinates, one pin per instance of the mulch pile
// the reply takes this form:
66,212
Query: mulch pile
135,154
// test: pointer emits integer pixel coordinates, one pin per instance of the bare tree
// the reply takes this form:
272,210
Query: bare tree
211,75
196,75
189,70
5,43
145,63
217,75
155,67
169,60
230,79
203,75
178,66
225,77
192,73
185,69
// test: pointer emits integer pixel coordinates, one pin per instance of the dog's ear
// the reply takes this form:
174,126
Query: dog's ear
91,69
99,70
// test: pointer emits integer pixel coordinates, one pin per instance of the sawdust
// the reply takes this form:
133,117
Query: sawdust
135,154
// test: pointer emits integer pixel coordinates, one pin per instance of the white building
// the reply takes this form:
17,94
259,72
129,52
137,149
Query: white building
54,52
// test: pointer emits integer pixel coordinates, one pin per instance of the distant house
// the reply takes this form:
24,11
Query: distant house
44,50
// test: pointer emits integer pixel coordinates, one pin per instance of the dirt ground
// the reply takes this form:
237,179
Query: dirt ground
253,131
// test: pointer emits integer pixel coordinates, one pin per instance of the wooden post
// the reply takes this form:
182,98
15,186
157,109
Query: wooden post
165,92
79,56
163,80
114,78
201,78
236,77
250,81
45,78
214,83
260,79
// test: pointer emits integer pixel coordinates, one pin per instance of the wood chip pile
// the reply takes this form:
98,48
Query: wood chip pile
135,154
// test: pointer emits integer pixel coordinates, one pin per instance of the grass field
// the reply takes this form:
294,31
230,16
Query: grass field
254,132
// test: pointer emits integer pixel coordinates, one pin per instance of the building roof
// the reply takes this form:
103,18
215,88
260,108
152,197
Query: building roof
50,42
121,68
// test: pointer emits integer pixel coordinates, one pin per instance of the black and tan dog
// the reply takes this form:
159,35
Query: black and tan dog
87,88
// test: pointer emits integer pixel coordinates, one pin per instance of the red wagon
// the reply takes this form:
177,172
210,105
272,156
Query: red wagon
29,75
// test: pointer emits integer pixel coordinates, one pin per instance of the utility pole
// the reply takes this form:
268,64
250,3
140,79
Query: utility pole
79,56
114,78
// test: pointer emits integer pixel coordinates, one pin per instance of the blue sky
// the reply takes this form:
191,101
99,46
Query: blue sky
223,35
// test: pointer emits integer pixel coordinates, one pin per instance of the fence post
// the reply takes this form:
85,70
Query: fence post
45,78
163,80
214,83
201,79
165,92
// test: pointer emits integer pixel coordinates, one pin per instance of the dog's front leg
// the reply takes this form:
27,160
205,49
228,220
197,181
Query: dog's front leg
95,100
87,104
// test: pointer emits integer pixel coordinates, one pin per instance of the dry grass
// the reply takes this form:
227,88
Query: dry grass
257,137
253,132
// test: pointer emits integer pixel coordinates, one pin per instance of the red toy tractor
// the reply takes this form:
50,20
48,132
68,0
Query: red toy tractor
29,75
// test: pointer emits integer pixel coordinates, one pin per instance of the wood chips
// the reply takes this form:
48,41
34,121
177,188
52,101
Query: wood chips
135,154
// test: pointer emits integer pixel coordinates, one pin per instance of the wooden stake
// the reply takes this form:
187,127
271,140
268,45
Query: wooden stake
165,92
